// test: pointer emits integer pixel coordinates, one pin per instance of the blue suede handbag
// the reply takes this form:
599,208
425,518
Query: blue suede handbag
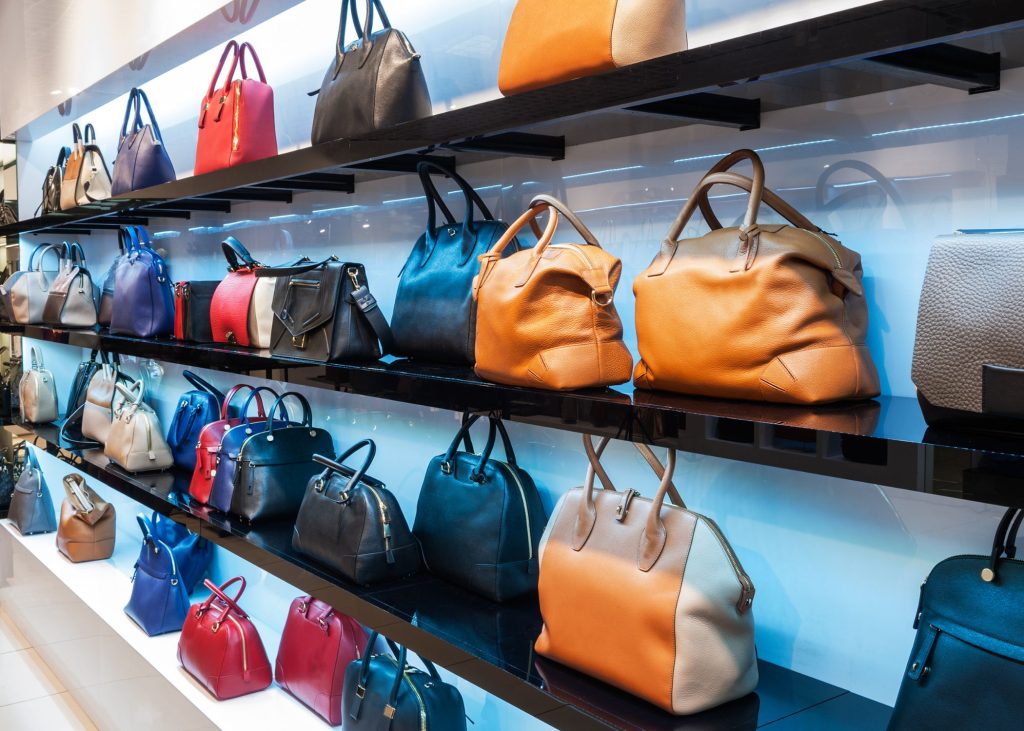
191,553
159,600
196,409
143,294
142,161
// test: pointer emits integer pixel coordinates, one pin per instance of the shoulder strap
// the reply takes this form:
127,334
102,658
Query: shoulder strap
367,304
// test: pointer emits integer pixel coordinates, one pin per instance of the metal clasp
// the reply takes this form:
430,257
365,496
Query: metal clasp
299,341
623,509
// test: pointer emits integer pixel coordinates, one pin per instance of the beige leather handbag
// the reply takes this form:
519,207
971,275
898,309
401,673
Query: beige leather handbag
659,587
37,392
28,291
99,407
136,440
71,301
86,530
261,312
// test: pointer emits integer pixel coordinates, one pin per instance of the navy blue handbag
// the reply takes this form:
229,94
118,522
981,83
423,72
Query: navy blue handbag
196,409
191,553
966,668
141,160
143,294
159,599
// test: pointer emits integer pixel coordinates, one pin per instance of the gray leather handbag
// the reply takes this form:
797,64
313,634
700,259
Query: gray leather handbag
71,299
969,351
38,392
26,292
31,508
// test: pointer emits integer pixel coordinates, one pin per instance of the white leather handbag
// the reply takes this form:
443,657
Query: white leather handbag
71,301
100,403
38,392
27,291
261,312
136,440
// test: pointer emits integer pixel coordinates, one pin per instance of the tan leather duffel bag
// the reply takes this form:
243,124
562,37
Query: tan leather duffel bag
769,312
86,528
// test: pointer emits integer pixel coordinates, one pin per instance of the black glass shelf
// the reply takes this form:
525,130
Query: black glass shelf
489,644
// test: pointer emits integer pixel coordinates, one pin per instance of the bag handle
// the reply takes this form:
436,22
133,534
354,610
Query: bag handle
75,255
357,475
36,358
220,592
142,99
230,396
133,101
401,655
76,134
235,252
255,394
873,173
132,393
203,385
425,169
1004,543
496,427
348,7
89,136
42,251
255,59
307,411
230,47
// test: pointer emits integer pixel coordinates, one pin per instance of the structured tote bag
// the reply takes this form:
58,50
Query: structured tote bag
38,391
479,520
86,178
71,299
764,312
159,600
688,619
86,531
545,316
966,667
353,523
434,317
236,120
127,239
31,508
241,312
549,41
136,441
196,409
143,296
142,161
375,82
26,293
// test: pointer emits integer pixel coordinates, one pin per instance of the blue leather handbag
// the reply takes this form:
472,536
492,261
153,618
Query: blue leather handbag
143,294
142,160
196,409
159,599
191,553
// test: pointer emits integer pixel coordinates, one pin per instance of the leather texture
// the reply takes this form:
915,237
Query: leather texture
101,401
159,601
71,298
434,316
352,523
136,441
27,292
241,312
236,120
373,83
31,508
549,41
227,465
86,178
317,646
106,305
545,316
53,183
87,530
196,408
192,303
220,646
142,161
761,312
385,692
192,554
479,520
38,392
966,666
663,577
143,295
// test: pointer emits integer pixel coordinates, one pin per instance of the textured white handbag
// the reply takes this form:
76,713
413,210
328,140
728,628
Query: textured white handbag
37,392
261,312
136,440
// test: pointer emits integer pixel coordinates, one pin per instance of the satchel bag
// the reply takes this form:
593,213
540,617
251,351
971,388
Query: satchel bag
71,427
38,392
126,241
374,83
192,302
236,121
192,554
385,692
26,292
221,647
545,316
479,520
271,464
102,401
86,178
142,161
195,410
52,184
143,296
324,311
159,601
71,300
72,165
316,648
763,312
967,664
434,316
352,523
31,508
86,531
241,312
136,441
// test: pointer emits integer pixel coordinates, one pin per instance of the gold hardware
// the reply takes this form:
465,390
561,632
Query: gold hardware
988,575
446,468
215,627
389,711
231,338
299,341
353,274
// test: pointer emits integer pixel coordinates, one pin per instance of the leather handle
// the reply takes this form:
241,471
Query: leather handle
133,394
726,163
143,100
35,358
76,255
234,391
235,252
425,169
307,410
133,97
496,428
76,133
1004,542
89,134
145,525
303,265
230,47
255,394
219,592
62,156
255,59
357,475
203,385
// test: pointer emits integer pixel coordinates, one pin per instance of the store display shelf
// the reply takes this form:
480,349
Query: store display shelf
488,644
885,441
873,48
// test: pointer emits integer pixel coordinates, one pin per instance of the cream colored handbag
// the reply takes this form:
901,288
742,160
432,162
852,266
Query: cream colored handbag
136,440
37,392
261,312
99,407
28,291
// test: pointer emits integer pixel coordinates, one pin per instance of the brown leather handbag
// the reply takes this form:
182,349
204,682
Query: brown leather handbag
545,316
769,312
86,528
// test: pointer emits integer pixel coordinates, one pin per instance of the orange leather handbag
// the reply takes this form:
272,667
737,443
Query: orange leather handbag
545,316
549,41
769,312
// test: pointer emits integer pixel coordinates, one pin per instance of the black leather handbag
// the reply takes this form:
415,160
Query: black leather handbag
71,429
479,520
192,302
324,311
273,465
383,692
435,316
352,523
375,82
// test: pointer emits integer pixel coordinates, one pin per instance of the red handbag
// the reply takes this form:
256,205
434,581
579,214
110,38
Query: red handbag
317,646
236,121
237,315
220,646
208,448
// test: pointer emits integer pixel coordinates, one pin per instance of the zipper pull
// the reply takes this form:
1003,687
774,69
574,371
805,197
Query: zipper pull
388,551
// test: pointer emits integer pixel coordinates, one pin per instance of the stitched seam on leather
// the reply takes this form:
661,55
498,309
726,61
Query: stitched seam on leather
675,615
785,368
769,383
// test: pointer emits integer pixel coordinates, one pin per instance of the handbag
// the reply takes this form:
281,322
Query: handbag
141,161
545,316
664,577
26,292
102,401
38,392
236,121
375,82
383,691
479,520
6,484
549,41
196,409
135,441
127,237
7,212
192,554
143,303
159,601
86,178
31,508
52,184
352,523
967,663
762,312
71,427
86,531
71,299
968,363
316,648
272,463
221,647
324,311
434,316
192,303
241,312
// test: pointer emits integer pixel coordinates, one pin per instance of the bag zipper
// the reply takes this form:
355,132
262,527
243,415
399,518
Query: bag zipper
415,691
241,632
747,593
385,523
828,245
311,284
234,127
526,509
